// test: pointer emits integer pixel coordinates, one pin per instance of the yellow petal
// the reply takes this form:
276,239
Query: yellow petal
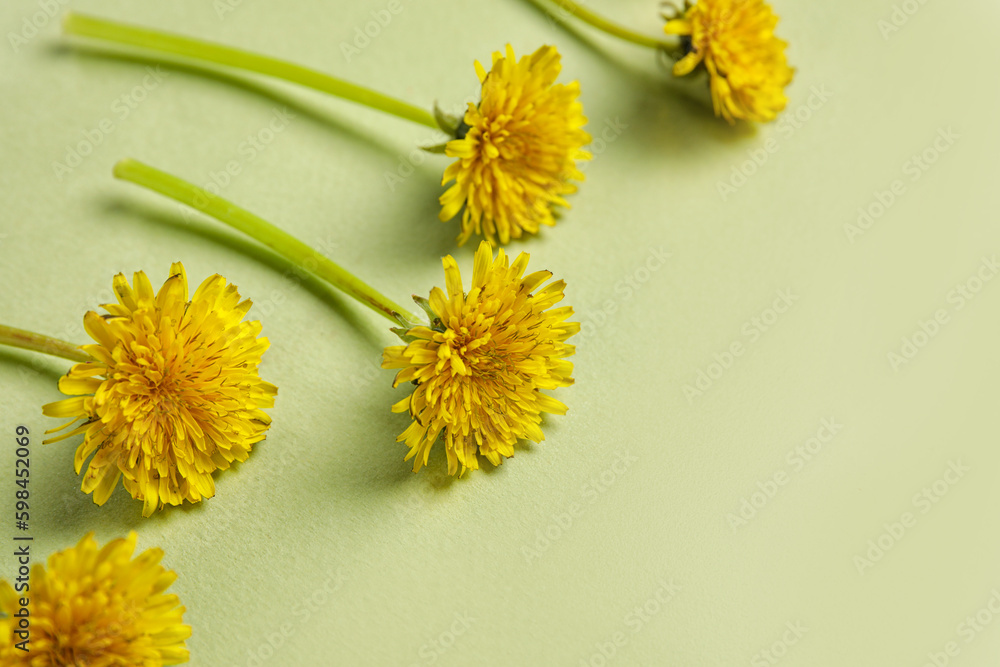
452,276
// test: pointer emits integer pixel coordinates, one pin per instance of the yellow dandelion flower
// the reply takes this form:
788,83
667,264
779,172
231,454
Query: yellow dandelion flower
746,64
95,608
517,150
481,365
171,393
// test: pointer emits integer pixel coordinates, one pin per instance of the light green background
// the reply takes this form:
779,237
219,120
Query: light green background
328,499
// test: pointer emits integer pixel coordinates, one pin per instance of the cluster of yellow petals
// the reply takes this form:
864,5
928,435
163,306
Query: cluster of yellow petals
172,394
746,62
519,150
99,608
481,366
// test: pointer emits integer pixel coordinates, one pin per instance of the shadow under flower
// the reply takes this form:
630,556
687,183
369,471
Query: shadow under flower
76,511
410,234
245,82
32,363
212,232
377,468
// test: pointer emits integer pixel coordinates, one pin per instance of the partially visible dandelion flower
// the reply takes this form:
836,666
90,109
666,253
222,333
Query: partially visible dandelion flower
96,608
746,63
172,394
517,150
481,366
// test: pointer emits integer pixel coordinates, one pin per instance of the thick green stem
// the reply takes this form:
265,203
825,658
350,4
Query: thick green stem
257,228
88,26
27,340
604,24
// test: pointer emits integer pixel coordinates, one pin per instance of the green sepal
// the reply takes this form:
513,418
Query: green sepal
425,305
447,122
437,149
403,335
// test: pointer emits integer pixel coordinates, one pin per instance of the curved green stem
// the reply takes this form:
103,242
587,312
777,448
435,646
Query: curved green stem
257,228
28,340
88,26
604,24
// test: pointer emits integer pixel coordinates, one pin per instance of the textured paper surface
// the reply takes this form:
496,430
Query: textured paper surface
411,563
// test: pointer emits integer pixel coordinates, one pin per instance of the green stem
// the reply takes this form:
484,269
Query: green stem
27,340
89,26
257,228
604,24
